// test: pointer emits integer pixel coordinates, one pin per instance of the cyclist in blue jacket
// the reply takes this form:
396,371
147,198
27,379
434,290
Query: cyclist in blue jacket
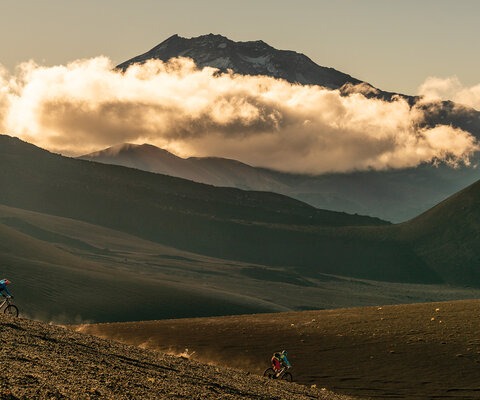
3,288
280,360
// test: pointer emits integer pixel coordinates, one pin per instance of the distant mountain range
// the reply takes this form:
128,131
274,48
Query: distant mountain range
210,170
394,195
259,227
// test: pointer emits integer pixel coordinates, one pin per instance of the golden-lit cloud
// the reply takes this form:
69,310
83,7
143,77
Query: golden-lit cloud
88,105
434,89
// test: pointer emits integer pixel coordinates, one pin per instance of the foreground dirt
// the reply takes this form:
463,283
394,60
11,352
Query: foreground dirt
420,351
40,361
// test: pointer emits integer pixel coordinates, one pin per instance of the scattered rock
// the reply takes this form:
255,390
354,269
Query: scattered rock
59,363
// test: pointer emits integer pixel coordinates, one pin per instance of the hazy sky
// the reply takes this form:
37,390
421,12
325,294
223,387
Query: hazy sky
394,45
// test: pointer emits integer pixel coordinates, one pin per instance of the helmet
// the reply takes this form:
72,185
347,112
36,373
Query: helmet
6,281
284,352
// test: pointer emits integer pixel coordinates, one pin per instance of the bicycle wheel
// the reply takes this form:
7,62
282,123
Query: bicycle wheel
287,376
269,373
11,310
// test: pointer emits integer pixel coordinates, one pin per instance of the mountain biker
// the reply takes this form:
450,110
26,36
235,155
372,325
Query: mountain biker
3,288
280,360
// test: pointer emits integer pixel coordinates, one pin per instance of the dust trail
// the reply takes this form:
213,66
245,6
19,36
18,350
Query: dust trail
56,319
88,105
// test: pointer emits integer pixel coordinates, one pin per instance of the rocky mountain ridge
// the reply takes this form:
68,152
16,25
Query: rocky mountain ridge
246,58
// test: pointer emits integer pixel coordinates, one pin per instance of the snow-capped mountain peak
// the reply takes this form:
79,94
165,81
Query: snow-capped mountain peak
246,58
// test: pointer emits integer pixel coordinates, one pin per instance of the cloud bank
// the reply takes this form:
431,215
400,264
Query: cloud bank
434,89
87,105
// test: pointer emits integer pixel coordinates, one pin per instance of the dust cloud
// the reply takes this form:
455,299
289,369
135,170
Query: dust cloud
88,105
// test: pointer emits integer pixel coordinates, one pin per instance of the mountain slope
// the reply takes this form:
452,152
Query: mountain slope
82,179
69,271
42,361
66,271
395,195
246,58
447,236
258,227
253,227
210,170
417,352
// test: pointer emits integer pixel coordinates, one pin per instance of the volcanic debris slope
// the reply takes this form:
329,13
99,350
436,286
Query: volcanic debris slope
41,361
417,351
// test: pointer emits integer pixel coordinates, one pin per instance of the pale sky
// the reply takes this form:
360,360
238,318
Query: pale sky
394,45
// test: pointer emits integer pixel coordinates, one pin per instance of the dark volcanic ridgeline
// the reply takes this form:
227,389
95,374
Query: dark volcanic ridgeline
47,362
246,58
32,165
395,195
264,228
448,236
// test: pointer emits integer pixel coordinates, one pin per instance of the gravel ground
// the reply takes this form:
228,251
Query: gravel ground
41,361
415,351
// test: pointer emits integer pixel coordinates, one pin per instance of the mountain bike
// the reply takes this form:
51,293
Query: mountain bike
10,308
283,374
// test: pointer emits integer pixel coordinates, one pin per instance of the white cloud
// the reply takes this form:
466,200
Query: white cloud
451,88
87,105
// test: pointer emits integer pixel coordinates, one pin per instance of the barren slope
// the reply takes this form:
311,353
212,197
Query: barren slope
255,227
69,271
419,351
40,361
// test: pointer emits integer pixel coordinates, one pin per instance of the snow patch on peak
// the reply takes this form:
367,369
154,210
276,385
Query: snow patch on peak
260,60
221,63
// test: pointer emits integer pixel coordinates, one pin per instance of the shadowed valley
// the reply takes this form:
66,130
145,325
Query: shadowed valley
115,244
